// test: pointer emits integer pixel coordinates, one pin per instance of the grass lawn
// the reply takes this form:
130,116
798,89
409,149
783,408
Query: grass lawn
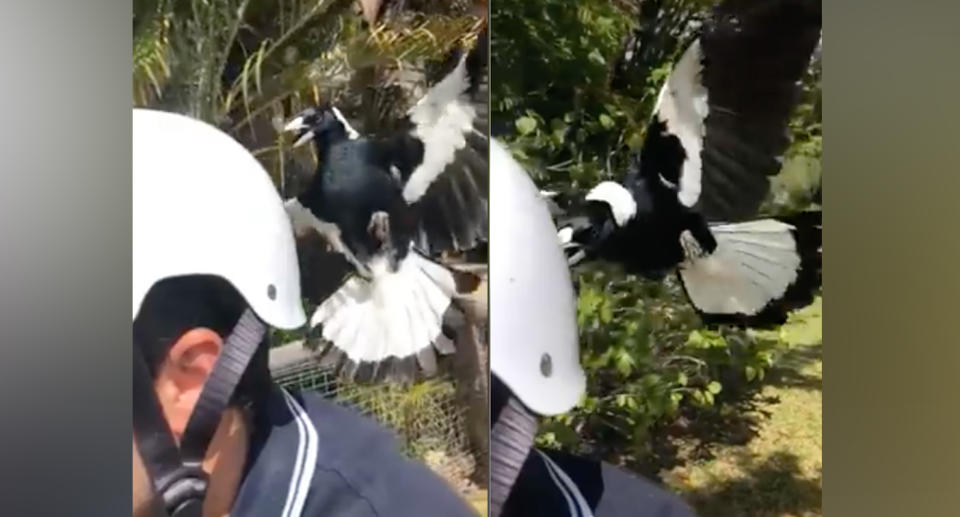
779,470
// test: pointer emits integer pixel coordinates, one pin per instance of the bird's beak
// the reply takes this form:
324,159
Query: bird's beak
297,125
304,138
576,258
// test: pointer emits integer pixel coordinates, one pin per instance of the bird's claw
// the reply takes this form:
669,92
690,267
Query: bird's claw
379,228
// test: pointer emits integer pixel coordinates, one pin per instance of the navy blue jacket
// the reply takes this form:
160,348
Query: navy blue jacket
310,457
556,485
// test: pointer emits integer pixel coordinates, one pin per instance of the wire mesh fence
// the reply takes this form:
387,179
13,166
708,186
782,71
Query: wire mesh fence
426,416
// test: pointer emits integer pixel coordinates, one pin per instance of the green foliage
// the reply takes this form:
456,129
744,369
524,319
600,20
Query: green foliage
801,175
647,357
550,80
280,337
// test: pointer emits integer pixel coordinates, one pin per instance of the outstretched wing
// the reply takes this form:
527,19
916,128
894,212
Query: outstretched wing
720,124
442,157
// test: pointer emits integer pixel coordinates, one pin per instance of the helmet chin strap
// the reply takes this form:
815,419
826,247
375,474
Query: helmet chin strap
511,440
176,472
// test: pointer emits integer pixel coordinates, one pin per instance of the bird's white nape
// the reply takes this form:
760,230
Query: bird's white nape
682,106
351,133
621,201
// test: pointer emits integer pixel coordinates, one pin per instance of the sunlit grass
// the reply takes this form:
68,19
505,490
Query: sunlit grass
779,471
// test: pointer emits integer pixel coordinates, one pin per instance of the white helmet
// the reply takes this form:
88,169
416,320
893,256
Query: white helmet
202,204
534,345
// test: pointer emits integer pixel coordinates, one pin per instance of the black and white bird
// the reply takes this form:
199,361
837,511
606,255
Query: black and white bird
392,204
692,192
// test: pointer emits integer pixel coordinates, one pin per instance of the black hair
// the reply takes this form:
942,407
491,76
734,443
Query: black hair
176,305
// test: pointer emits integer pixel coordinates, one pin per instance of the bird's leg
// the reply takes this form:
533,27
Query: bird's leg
691,247
379,229
331,235
697,240
342,249
303,219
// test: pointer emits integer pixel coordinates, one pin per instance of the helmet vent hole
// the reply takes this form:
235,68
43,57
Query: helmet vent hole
546,365
272,292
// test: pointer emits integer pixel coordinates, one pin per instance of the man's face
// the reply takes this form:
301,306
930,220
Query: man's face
178,383
224,463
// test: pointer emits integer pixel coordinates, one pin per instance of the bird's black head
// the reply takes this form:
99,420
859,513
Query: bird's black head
323,123
583,228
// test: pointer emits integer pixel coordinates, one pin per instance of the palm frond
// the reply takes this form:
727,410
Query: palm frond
150,53
429,39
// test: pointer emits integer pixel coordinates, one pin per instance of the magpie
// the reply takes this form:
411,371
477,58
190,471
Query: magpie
690,199
392,205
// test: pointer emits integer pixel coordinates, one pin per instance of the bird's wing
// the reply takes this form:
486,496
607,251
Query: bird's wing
720,123
444,164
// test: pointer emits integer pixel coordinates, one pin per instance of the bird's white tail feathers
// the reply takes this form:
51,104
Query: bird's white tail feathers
397,314
754,263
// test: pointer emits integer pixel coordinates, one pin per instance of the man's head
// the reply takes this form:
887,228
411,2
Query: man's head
213,260
181,331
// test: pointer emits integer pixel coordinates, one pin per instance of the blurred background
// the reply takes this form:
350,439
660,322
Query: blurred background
729,419
247,66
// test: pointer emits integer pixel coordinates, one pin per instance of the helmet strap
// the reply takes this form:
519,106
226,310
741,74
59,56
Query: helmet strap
511,440
176,472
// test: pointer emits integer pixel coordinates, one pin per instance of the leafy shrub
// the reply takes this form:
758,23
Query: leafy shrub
646,357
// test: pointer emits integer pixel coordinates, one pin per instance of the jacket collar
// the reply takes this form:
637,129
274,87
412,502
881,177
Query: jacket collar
281,461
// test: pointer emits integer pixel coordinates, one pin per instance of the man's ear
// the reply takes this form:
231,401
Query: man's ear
182,374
